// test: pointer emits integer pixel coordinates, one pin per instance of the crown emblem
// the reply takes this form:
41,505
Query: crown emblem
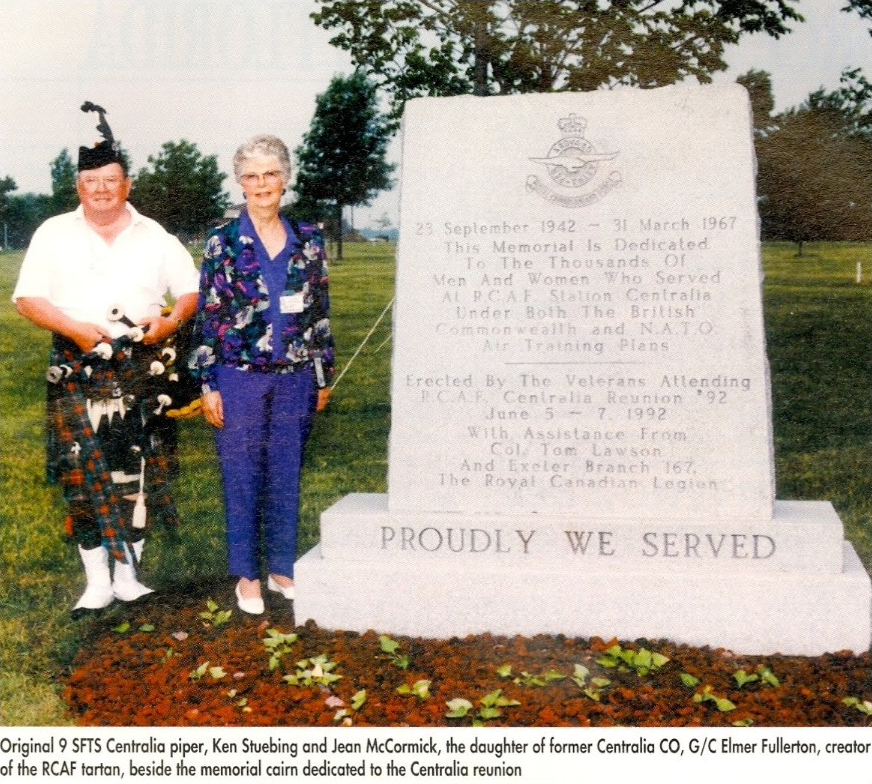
573,162
572,124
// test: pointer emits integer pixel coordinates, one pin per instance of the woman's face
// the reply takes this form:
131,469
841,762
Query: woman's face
262,182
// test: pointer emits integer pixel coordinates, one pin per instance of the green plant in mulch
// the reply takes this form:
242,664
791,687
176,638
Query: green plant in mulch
213,617
763,674
530,679
358,699
420,689
491,707
344,715
864,706
317,670
391,649
241,702
216,673
594,688
707,695
642,661
278,644
125,627
743,678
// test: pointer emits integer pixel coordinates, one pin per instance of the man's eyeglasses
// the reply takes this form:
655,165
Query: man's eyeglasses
269,177
92,183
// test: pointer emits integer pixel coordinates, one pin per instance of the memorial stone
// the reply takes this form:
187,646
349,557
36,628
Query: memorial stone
581,430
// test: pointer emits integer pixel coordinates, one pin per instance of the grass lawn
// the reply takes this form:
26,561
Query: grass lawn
818,332
818,325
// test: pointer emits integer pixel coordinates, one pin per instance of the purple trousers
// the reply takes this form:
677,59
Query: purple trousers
267,419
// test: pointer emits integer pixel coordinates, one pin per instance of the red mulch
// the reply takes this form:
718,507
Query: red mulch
125,676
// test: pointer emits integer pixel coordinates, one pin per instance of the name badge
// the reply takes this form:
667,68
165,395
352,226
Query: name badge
292,303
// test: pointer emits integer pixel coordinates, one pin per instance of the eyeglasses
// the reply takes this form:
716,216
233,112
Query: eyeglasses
92,183
269,178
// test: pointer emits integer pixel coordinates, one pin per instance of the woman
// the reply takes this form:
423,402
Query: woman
263,352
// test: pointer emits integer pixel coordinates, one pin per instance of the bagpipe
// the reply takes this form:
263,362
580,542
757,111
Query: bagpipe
126,367
131,393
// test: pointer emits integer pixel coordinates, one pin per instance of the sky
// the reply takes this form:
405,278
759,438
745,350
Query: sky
216,72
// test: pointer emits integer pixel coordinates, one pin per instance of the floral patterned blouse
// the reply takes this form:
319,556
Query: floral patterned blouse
233,327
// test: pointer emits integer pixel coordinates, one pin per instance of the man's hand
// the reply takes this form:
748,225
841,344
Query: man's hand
86,336
213,408
42,313
157,328
160,327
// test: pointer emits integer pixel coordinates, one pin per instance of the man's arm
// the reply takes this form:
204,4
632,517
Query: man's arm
42,313
161,326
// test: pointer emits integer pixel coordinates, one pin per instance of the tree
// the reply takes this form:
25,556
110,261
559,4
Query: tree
182,191
759,87
815,171
22,215
7,185
451,47
383,224
853,101
341,161
63,183
314,210
862,7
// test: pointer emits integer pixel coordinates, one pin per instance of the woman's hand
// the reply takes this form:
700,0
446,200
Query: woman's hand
213,408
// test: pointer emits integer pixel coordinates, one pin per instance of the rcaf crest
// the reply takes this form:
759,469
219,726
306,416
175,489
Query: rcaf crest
573,162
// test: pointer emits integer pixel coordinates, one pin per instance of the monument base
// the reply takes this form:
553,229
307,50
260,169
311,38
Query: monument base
792,613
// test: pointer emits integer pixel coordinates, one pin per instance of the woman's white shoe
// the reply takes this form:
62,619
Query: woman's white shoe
253,606
286,591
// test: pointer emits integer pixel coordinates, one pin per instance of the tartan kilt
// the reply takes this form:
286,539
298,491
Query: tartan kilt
130,438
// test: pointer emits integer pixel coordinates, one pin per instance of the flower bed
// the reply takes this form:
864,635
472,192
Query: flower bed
182,661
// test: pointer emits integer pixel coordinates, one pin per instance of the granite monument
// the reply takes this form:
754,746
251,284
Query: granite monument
581,436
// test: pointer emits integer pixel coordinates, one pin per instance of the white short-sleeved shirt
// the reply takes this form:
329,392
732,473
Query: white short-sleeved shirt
73,267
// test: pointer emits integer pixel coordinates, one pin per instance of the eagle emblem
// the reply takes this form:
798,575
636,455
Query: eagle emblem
572,162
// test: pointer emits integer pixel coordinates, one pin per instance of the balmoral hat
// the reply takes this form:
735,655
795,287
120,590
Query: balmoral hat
103,152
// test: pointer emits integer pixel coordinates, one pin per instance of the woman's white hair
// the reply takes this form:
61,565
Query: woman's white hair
265,146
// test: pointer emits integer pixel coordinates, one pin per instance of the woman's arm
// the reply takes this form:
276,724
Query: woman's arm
322,335
207,322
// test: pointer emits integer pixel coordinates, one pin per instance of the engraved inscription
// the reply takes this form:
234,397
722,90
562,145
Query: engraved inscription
550,295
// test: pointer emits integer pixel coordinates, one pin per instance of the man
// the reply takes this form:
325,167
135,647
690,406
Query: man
88,277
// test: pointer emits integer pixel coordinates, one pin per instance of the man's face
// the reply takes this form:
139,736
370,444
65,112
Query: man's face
103,191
